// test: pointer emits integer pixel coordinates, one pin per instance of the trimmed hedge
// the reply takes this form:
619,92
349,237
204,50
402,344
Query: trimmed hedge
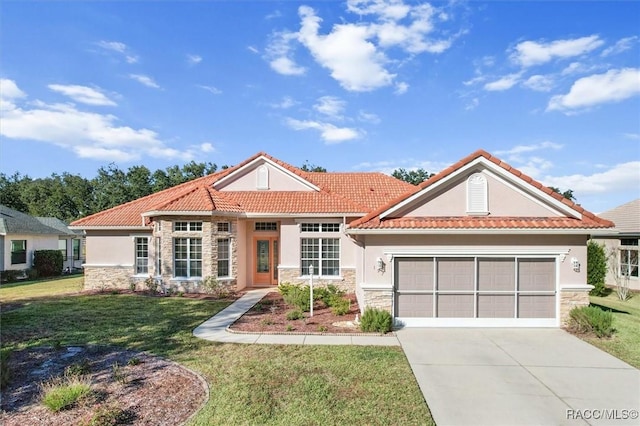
48,263
376,320
591,319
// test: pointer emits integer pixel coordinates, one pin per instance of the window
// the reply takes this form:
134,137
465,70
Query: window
477,194
76,249
187,253
187,226
158,256
322,253
629,262
142,255
223,258
266,226
62,246
18,252
320,227
628,242
224,227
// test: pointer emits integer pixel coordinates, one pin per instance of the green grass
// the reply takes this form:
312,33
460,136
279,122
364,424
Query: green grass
249,384
63,394
625,343
36,289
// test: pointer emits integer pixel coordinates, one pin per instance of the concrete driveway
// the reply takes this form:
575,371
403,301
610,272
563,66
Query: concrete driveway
519,377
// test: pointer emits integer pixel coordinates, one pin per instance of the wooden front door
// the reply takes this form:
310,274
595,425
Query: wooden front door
265,255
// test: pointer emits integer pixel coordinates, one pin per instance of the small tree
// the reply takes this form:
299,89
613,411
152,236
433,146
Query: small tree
596,268
620,274
48,263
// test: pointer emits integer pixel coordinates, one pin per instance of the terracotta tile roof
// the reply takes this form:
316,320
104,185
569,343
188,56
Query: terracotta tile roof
372,220
355,193
485,222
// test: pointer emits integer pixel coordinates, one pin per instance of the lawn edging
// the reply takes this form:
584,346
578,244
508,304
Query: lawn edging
308,333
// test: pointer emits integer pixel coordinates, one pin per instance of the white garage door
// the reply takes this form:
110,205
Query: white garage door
486,291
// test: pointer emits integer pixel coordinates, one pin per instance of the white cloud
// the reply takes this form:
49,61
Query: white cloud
531,165
279,52
368,117
633,136
355,53
83,94
286,103
401,88
145,80
618,178
613,86
87,134
210,89
207,147
472,104
252,49
194,59
620,46
330,106
330,133
475,80
529,53
520,149
121,48
539,83
504,83
9,90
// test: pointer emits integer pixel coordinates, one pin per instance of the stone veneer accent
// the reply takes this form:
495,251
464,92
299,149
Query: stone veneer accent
377,298
107,277
570,299
347,281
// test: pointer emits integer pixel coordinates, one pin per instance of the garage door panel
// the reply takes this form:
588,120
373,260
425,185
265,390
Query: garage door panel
496,306
455,306
456,274
536,306
496,274
414,305
414,274
536,275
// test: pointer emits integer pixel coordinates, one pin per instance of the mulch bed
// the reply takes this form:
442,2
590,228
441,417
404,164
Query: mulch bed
154,391
270,316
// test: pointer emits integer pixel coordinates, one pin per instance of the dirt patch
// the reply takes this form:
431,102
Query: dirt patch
270,316
146,389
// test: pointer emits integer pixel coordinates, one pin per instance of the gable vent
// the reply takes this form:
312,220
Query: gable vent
477,194
262,175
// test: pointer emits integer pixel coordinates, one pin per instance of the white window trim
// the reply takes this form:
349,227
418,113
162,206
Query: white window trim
188,259
135,260
229,263
320,260
189,223
477,182
262,177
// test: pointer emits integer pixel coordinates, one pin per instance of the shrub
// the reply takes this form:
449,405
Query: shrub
134,361
596,268
63,393
9,276
32,274
215,288
78,368
296,314
298,297
5,372
290,327
340,306
376,320
110,415
329,295
151,285
322,329
591,319
284,288
48,263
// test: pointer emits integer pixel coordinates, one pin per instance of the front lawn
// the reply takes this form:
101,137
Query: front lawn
250,384
625,343
34,289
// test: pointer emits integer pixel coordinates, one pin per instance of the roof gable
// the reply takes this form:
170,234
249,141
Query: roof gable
15,222
626,217
264,173
511,195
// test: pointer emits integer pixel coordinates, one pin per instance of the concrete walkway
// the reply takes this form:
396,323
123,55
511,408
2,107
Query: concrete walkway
215,329
519,377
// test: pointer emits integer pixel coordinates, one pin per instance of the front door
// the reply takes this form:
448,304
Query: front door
265,260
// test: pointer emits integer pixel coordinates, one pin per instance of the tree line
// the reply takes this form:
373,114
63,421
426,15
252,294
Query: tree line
70,197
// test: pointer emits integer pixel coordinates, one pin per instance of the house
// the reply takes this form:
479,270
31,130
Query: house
479,244
22,234
623,242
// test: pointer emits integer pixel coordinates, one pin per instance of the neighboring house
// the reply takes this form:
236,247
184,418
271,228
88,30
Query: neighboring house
22,234
479,244
624,242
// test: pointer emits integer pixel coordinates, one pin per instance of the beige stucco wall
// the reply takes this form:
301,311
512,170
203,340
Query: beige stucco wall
452,201
278,181
112,247
614,244
34,242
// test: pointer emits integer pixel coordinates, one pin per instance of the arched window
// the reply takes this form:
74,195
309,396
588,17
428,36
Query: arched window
477,194
263,177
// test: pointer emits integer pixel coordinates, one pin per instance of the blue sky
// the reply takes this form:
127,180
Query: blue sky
553,88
